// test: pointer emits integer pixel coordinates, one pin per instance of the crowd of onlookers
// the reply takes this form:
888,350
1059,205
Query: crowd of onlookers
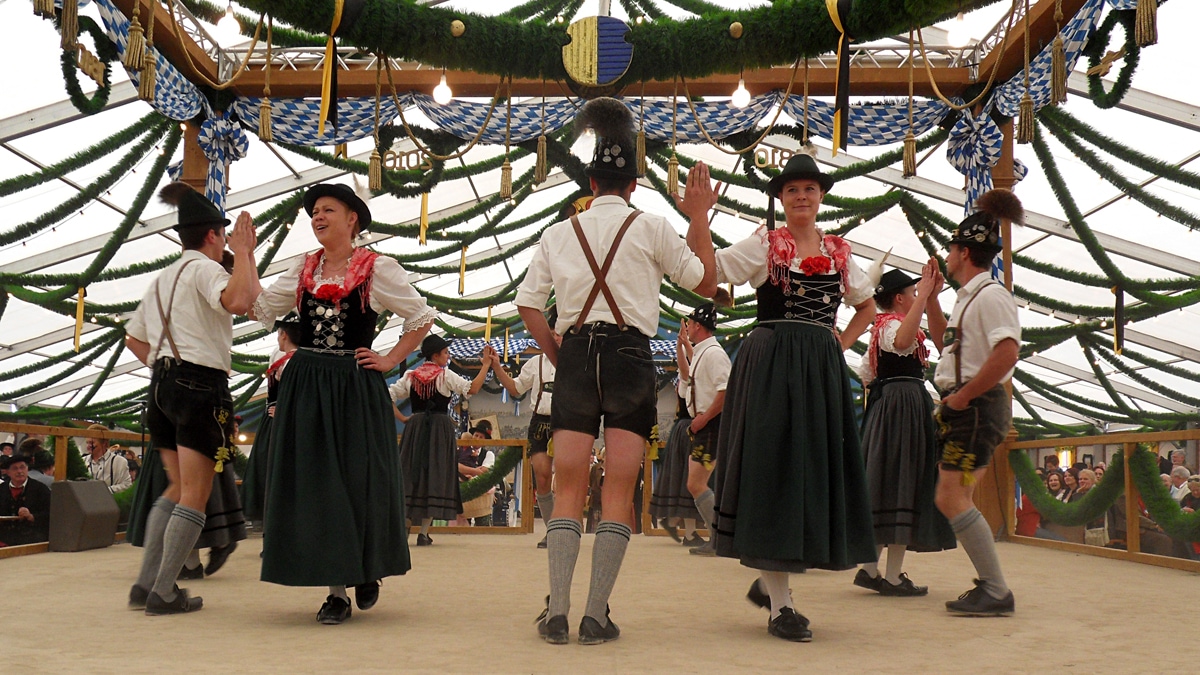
1110,529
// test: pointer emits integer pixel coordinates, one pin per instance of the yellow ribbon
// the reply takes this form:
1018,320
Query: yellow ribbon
487,328
330,64
79,318
831,6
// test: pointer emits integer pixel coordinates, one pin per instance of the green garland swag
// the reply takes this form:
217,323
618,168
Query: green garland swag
1094,504
1162,507
1095,49
505,461
106,52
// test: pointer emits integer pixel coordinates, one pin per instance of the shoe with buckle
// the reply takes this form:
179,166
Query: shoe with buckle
137,597
693,541
592,633
181,604
334,611
217,556
865,580
542,543
757,596
790,625
552,629
424,540
190,573
905,589
978,602
366,595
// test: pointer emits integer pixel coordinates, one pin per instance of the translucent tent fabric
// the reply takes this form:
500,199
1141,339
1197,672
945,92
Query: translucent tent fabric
29,333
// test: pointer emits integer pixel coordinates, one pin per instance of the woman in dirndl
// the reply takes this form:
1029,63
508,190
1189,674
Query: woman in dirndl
789,483
899,441
335,507
670,501
254,483
429,447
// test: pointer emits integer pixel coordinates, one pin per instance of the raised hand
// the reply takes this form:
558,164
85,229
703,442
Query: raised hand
243,238
700,195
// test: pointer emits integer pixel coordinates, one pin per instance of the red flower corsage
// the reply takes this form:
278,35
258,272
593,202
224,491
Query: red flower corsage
818,264
329,292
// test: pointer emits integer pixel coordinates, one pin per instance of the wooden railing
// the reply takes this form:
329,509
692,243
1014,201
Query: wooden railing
1129,442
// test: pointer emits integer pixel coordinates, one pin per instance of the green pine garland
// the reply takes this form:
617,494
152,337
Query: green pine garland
106,52
1095,49
506,460
1163,509
1094,503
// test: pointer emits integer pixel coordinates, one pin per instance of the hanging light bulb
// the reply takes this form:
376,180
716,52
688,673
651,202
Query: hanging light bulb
242,438
441,93
229,24
741,95
958,35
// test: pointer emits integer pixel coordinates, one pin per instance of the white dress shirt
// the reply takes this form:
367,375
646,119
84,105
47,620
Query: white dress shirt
448,383
649,249
536,372
991,319
111,469
202,329
709,370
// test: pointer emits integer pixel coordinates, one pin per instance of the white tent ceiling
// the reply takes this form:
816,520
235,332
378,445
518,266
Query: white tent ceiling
1161,117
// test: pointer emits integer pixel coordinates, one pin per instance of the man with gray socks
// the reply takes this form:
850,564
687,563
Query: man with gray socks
605,370
979,350
183,330
706,376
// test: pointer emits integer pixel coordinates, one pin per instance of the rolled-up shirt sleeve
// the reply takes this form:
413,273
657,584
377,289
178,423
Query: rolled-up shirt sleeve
676,259
279,298
391,290
400,388
534,291
745,261
1002,321
858,285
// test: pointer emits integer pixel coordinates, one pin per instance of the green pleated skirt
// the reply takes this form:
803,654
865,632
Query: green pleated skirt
335,507
254,483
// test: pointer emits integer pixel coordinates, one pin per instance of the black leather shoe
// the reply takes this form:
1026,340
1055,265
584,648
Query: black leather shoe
790,625
673,531
137,597
190,573
592,633
706,550
905,589
181,604
424,540
542,543
366,595
757,596
217,556
694,541
552,629
334,611
864,580
978,602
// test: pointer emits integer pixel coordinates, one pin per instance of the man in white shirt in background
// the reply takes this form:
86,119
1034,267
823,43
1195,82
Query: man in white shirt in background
105,465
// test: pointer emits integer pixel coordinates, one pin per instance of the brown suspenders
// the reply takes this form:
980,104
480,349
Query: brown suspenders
601,286
165,317
958,350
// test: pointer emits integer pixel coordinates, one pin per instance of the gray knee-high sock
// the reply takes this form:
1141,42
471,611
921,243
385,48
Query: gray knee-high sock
612,538
193,559
975,536
705,504
152,545
183,529
546,506
562,550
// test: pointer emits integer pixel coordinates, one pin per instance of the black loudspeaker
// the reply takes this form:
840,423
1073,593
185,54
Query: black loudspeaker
83,515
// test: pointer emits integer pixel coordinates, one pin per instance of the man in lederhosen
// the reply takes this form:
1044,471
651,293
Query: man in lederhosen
979,350
605,368
705,374
183,329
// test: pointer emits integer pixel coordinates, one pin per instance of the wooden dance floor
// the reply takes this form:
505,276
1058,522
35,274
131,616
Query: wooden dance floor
468,607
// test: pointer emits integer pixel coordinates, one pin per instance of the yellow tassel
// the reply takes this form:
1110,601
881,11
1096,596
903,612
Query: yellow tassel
43,8
910,154
1058,72
146,81
1025,120
1146,23
673,175
375,171
135,50
540,169
69,24
79,318
264,120
506,180
641,152
462,272
732,300
424,217
487,328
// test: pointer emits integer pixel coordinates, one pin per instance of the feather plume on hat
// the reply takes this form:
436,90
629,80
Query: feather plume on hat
722,298
1002,204
606,117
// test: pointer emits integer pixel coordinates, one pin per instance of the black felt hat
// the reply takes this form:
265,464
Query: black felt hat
799,167
982,229
195,210
9,461
615,155
482,427
432,344
705,315
289,320
344,194
894,281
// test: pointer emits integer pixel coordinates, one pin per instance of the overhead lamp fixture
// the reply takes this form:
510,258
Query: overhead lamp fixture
229,24
441,93
741,95
958,35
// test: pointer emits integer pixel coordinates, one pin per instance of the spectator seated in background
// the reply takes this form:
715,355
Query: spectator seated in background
1054,484
1178,458
7,449
1070,479
1153,539
1094,532
1099,471
1179,478
475,460
1029,521
1191,501
106,465
41,467
1052,463
1166,480
24,506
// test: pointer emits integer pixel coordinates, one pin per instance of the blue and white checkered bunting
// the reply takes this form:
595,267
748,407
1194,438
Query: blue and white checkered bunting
869,124
1007,97
294,120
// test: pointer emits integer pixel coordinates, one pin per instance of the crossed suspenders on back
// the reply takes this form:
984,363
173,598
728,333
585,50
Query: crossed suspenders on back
601,286
165,316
